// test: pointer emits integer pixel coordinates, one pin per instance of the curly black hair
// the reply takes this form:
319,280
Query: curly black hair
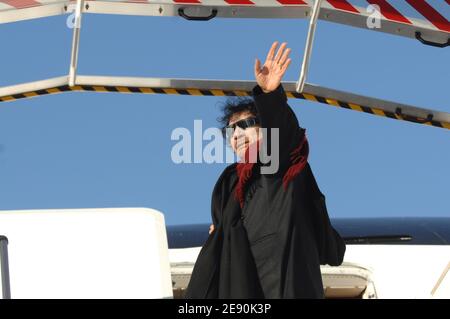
234,105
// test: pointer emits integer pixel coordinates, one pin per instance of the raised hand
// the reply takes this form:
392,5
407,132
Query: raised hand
269,76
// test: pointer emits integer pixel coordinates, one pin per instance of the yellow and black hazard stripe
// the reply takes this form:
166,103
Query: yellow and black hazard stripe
397,115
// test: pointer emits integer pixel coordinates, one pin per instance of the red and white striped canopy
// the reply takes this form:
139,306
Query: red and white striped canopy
399,17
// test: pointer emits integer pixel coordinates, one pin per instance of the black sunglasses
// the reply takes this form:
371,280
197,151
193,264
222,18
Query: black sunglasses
228,130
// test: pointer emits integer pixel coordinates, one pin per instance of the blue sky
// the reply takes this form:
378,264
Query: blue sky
89,150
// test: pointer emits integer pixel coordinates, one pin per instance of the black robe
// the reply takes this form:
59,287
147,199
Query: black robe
273,247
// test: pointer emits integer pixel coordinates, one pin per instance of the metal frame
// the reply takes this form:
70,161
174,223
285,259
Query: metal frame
226,88
260,9
75,42
48,10
32,87
441,279
205,11
308,47
4,263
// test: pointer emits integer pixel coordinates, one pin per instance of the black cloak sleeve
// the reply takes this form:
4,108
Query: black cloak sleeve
275,113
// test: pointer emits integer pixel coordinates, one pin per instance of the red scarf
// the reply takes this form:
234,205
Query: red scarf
244,169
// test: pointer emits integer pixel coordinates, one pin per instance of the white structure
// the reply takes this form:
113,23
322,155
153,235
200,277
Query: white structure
368,272
87,253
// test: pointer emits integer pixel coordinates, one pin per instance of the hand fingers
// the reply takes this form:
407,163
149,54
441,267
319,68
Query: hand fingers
257,67
285,56
280,52
285,66
271,51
